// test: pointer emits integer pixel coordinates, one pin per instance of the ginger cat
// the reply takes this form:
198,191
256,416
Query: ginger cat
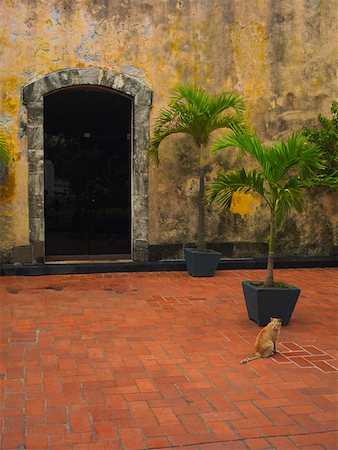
265,345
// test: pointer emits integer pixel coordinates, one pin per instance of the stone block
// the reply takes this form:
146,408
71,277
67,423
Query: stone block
89,76
141,117
38,251
35,161
107,78
35,114
140,184
144,97
140,250
140,228
36,204
37,229
23,254
69,77
35,184
35,136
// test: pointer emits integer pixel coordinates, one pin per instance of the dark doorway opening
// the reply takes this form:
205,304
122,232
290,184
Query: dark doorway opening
87,174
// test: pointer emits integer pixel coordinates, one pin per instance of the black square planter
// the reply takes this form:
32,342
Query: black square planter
201,264
263,303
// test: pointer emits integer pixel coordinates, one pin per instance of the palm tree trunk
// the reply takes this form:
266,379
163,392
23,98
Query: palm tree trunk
269,282
201,247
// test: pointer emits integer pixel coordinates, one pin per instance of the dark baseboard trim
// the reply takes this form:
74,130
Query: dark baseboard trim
163,266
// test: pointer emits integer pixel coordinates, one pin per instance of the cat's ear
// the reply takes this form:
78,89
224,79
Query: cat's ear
277,319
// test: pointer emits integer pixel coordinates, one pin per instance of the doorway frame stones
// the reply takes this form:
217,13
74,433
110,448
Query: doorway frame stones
33,99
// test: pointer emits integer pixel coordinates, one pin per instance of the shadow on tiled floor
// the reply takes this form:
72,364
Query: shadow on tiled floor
151,361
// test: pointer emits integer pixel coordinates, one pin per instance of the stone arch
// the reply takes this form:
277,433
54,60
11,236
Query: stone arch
33,95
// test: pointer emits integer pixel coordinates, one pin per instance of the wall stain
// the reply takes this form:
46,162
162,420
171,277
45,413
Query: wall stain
7,190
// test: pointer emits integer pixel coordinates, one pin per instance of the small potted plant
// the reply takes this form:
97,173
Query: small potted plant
193,111
284,170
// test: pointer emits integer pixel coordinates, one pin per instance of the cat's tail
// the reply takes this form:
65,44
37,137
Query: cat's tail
250,358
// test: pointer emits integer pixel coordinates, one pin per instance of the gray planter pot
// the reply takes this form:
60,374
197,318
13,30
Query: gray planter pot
201,264
263,303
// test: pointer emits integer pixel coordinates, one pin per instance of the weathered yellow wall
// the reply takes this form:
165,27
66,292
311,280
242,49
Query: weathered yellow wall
279,54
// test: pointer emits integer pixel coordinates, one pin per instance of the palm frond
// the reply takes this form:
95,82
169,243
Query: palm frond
330,181
227,184
224,121
189,96
228,100
158,137
246,141
193,111
288,198
167,123
295,155
4,149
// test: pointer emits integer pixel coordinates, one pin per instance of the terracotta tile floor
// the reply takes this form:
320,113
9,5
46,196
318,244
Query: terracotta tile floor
151,361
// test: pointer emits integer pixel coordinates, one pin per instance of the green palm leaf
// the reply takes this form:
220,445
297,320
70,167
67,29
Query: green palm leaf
218,104
4,149
244,140
227,184
295,155
193,111
288,198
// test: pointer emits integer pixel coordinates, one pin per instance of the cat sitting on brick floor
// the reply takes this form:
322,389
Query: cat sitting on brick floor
265,345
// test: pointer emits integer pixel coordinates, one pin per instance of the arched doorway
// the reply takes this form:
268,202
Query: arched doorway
113,89
87,174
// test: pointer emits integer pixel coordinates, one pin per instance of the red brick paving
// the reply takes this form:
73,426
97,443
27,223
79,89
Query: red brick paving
132,361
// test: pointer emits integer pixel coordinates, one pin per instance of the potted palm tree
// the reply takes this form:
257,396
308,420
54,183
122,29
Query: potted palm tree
193,111
284,170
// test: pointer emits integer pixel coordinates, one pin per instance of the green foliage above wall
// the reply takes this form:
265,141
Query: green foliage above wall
326,138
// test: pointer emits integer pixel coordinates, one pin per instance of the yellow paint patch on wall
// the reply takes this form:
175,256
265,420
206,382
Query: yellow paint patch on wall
10,100
244,204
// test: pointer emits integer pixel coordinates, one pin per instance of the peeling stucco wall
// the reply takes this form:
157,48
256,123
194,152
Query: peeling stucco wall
279,54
